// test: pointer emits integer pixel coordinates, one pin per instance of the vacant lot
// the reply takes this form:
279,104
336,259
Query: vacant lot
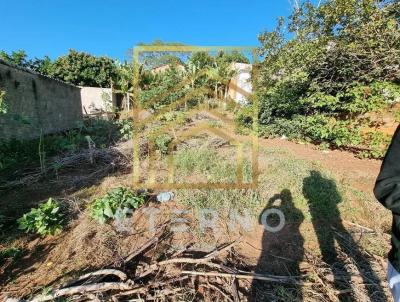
332,246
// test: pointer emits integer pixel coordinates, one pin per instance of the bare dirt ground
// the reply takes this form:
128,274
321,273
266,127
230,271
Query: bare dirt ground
337,249
360,172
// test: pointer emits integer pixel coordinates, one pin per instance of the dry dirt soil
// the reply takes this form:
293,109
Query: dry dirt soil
343,259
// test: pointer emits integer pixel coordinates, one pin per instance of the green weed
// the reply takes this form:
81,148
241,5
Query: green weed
115,204
44,220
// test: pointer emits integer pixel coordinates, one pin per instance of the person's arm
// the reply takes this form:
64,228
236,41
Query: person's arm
387,186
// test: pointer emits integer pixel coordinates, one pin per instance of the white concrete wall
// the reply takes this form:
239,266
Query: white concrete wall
240,85
96,100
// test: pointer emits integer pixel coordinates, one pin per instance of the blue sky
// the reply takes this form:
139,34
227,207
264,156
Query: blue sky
105,27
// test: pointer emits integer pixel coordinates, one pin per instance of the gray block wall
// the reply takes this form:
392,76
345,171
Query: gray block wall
36,104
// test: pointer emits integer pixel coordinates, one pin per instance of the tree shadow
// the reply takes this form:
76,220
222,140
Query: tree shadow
323,198
282,251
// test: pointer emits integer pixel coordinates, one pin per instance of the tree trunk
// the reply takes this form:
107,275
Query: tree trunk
226,92
127,101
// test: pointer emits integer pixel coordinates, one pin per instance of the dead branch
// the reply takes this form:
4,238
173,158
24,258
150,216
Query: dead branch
220,250
103,272
83,289
287,280
144,289
360,226
140,251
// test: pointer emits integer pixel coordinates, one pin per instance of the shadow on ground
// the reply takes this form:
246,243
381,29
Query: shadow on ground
283,251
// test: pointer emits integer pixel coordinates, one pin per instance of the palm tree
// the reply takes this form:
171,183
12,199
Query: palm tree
192,72
220,75
213,75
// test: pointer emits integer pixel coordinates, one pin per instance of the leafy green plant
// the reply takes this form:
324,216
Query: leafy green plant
115,204
125,128
312,83
176,116
244,116
163,90
44,220
377,143
161,142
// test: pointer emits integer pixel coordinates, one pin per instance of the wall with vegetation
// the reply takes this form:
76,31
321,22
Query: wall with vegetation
36,104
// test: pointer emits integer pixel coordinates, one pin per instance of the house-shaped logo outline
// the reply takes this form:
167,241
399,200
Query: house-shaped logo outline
239,184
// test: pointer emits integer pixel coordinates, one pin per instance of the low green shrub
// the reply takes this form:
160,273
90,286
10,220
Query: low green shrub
178,117
377,145
290,128
44,220
162,142
202,160
115,204
244,116
24,153
125,128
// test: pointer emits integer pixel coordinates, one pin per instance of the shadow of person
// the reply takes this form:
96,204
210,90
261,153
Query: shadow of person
323,198
282,248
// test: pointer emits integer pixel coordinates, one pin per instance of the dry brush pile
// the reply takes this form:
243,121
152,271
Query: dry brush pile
155,272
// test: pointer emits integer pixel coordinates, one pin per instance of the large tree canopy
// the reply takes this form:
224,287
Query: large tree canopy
328,65
83,69
77,68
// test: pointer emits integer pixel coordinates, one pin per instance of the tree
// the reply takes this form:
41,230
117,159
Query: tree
232,57
191,72
161,88
43,66
151,59
201,59
83,69
18,57
336,44
326,66
219,75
